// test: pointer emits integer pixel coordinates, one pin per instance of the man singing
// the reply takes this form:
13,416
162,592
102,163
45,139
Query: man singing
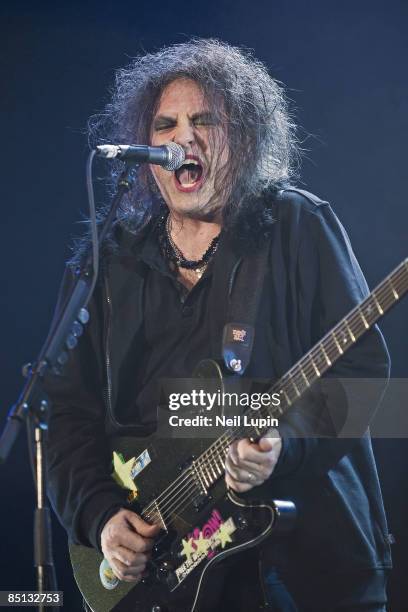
152,317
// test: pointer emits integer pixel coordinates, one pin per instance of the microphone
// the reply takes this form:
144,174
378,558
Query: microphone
171,156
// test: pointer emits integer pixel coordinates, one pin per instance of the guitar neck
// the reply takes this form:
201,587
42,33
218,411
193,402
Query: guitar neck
341,338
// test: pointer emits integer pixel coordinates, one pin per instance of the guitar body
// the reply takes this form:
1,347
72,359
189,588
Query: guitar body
200,531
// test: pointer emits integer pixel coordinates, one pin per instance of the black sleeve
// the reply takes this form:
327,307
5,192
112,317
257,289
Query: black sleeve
82,491
327,266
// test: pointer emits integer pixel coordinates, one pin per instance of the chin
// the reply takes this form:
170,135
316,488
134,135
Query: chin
194,208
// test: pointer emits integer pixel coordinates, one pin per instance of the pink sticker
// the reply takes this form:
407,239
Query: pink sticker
209,528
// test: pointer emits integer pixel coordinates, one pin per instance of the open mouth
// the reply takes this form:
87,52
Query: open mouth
190,175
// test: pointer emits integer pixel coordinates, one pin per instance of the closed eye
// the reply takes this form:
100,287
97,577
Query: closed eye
200,119
205,119
159,126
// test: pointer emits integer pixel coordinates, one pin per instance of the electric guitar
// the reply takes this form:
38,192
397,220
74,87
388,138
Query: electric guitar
179,484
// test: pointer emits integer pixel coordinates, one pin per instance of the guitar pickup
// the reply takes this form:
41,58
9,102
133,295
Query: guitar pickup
201,500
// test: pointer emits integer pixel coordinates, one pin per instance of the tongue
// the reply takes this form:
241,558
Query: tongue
187,176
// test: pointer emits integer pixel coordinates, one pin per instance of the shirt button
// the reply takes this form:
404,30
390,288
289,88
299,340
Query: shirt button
187,311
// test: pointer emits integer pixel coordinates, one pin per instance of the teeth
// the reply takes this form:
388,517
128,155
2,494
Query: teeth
191,161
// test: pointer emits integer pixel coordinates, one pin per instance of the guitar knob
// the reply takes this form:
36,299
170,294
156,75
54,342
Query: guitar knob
156,609
242,522
164,568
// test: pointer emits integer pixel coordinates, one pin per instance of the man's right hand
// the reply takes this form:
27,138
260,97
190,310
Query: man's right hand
126,542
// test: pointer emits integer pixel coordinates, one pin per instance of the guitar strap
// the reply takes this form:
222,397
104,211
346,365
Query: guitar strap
235,296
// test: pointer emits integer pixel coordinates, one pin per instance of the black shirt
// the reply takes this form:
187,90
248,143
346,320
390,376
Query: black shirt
312,281
176,332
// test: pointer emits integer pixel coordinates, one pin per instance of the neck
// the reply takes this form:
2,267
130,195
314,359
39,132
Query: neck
192,236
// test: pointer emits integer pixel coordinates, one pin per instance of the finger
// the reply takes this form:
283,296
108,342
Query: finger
243,464
123,572
137,543
238,458
129,557
126,536
263,470
237,473
140,526
232,452
270,440
248,451
249,466
255,453
268,444
243,475
239,487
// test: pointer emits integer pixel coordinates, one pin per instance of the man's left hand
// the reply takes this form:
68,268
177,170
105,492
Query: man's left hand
249,464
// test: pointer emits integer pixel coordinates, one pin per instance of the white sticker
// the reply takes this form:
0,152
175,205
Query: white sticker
108,578
140,463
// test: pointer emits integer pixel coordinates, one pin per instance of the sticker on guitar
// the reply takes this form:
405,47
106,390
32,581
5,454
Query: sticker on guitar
202,543
124,472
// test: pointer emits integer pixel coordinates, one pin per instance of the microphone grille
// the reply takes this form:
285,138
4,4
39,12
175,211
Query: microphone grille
175,156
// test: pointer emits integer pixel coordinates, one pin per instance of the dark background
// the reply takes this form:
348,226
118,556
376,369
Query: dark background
345,64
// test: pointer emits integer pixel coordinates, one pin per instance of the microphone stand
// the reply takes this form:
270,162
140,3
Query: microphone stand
31,404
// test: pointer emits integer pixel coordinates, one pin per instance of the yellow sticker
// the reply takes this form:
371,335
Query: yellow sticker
122,472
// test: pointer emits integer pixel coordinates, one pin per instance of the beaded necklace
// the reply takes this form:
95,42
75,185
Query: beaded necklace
175,255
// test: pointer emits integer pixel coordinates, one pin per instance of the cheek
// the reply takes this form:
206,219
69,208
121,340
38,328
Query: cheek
157,139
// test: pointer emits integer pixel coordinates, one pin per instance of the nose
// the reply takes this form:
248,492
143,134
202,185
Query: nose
184,134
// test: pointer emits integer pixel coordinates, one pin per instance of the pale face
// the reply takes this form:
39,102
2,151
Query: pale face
183,117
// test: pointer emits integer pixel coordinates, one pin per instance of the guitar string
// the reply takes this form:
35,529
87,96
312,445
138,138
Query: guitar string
356,316
188,480
182,505
172,518
165,514
216,449
190,494
191,481
162,510
350,320
175,486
